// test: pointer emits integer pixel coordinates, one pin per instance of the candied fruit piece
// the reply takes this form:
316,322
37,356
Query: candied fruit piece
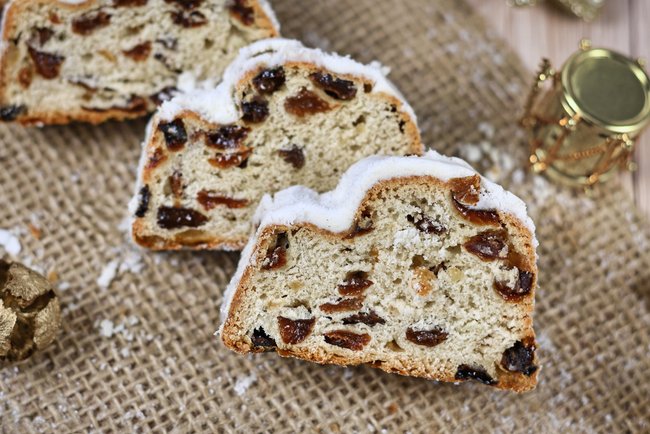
427,225
369,318
212,199
355,283
293,156
276,256
189,19
177,217
522,287
156,158
88,23
140,52
261,339
242,12
255,110
466,372
489,245
47,65
304,103
9,113
345,305
269,80
477,216
175,134
466,190
520,357
143,204
224,161
347,339
227,137
294,331
427,338
337,88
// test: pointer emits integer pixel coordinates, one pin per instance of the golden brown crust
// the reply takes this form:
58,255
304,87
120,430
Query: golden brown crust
506,380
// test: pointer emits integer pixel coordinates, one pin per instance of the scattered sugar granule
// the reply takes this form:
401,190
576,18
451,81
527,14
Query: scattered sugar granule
106,328
10,242
243,383
108,274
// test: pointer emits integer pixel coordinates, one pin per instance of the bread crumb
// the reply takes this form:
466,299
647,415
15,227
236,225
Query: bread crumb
108,274
243,383
10,242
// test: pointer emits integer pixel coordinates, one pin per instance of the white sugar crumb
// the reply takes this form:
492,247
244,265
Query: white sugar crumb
106,328
243,383
10,242
471,152
107,274
486,129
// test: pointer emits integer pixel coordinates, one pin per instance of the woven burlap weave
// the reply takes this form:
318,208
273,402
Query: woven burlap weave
140,355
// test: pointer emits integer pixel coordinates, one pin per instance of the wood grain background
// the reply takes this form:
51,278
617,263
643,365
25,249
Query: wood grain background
544,31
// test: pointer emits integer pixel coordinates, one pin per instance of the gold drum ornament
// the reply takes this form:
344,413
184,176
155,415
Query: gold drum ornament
584,120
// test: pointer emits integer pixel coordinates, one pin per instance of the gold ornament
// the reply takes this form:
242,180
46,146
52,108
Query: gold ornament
585,9
30,315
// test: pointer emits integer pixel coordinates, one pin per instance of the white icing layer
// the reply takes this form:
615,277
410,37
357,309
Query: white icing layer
335,210
218,105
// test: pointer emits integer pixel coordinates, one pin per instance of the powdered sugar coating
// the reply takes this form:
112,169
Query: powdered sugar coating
218,104
334,211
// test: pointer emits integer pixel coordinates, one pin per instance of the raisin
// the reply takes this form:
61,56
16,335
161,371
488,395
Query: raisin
211,199
54,18
261,339
337,88
347,304
243,13
346,339
488,245
175,134
427,225
466,190
520,357
276,256
227,137
305,103
143,205
523,285
466,372
428,338
176,217
225,161
255,110
156,158
479,217
367,87
368,318
189,19
362,226
355,283
129,3
186,4
293,156
25,76
41,36
47,65
164,94
140,52
294,331
11,112
269,80
90,22
176,184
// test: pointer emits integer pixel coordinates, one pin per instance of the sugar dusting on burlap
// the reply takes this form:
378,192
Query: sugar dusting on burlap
139,355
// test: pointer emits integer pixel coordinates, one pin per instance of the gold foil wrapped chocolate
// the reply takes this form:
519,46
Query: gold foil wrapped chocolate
584,119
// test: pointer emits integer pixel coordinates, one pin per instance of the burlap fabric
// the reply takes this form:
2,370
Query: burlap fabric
140,355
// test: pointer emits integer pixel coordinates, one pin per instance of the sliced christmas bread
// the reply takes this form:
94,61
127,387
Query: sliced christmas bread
283,115
93,60
414,265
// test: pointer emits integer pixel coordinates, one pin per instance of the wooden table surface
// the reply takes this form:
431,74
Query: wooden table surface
545,31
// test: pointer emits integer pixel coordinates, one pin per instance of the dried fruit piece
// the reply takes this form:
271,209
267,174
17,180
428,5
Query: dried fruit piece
164,94
355,283
255,110
261,339
175,134
276,256
269,80
176,184
305,103
346,339
522,287
11,112
189,19
25,76
227,137
40,36
427,225
520,357
294,331
90,22
140,52
211,199
362,225
369,318
479,217
186,4
466,372
47,65
242,12
466,190
489,245
422,281
143,205
427,338
344,305
293,156
367,87
337,88
224,161
156,158
177,217
129,3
